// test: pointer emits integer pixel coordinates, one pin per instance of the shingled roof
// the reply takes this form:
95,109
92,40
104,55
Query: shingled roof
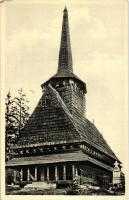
51,123
56,124
65,62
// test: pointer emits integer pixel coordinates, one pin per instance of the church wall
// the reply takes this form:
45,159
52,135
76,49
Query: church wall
73,96
94,174
78,102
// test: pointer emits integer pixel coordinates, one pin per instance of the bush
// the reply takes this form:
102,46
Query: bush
74,188
9,176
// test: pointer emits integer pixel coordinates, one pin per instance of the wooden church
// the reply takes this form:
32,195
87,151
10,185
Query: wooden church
59,143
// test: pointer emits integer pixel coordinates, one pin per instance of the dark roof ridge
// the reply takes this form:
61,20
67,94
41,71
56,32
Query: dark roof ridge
63,105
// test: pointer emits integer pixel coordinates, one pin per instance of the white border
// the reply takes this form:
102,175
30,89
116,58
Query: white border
2,122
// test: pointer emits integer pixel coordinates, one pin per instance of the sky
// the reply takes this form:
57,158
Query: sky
98,32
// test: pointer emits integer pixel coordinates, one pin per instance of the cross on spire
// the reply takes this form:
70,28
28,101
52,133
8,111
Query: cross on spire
65,55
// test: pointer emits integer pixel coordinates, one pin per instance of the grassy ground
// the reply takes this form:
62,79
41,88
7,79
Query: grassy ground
54,192
36,192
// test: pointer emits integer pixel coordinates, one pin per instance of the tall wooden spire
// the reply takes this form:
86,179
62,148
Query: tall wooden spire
65,63
65,55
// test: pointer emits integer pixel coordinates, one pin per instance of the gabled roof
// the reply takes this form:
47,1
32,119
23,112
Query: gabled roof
55,123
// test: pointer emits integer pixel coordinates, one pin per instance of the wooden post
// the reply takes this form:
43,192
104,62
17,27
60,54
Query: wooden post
56,173
76,171
48,173
73,171
28,174
35,173
14,176
64,172
42,174
21,175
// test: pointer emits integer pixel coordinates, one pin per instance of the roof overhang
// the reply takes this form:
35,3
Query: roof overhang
65,76
77,156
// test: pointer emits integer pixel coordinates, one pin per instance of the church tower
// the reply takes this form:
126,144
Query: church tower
71,89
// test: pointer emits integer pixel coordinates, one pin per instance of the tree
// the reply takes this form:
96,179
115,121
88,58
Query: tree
21,110
9,124
16,116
